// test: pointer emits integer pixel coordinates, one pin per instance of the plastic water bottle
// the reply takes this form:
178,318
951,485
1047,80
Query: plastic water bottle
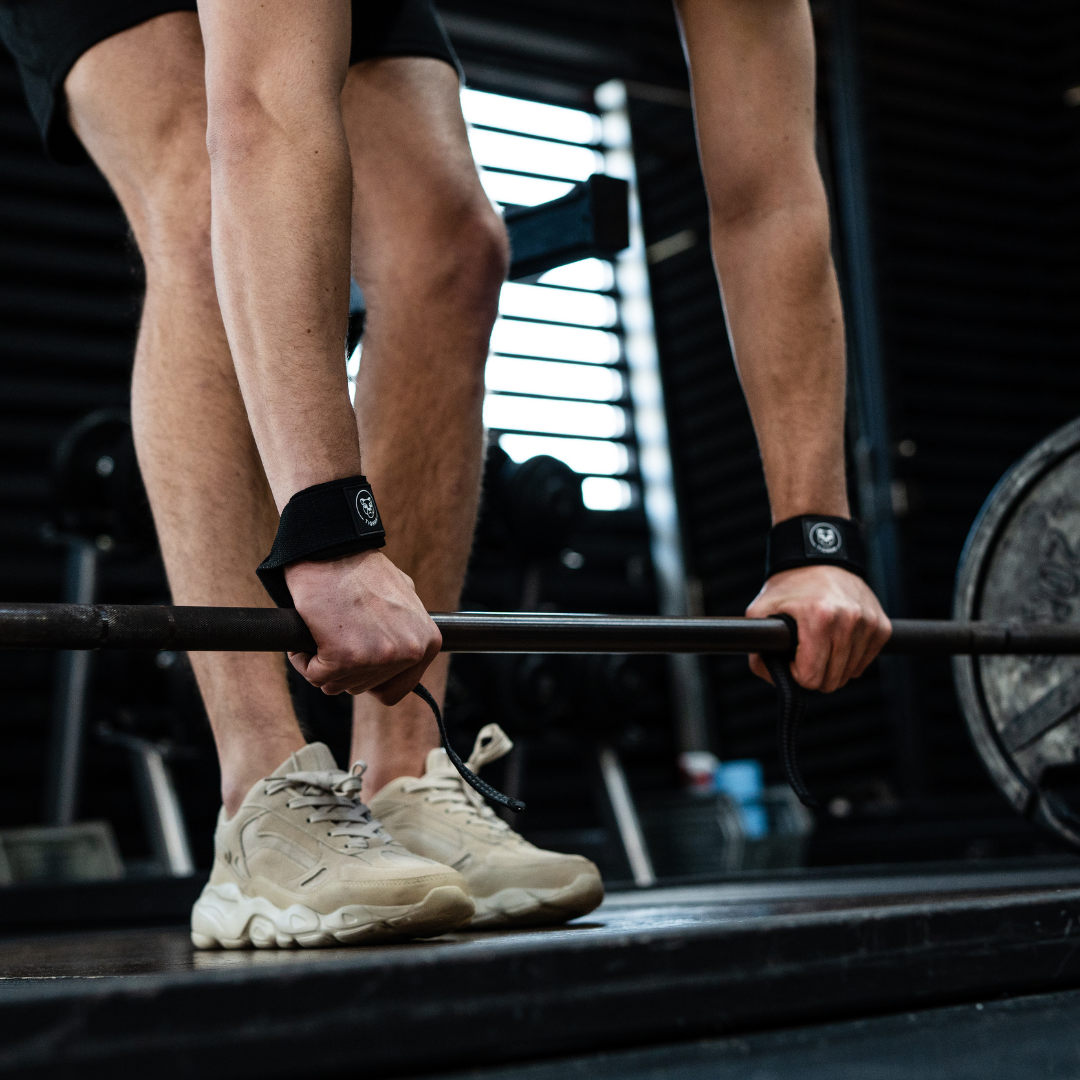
744,782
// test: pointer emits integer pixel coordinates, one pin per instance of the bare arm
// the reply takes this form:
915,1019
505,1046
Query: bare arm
752,66
281,191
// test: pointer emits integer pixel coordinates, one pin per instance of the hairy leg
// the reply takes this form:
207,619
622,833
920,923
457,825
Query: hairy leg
430,254
138,103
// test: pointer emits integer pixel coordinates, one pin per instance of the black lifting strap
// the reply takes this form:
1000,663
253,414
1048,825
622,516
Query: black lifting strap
791,705
467,774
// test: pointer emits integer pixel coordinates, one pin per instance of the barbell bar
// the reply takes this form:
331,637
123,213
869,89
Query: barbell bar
209,629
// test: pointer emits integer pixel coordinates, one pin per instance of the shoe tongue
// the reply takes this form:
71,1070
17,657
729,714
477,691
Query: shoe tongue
438,764
315,757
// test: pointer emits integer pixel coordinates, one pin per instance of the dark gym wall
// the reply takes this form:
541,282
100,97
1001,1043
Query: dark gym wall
69,299
974,170
971,153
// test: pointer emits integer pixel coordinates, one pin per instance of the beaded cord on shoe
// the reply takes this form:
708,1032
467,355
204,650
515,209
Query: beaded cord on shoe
461,798
467,774
334,796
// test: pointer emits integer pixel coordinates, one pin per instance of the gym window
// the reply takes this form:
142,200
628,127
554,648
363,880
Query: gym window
557,380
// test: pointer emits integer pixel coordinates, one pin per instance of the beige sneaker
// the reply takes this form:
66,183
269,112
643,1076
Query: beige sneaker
303,862
512,882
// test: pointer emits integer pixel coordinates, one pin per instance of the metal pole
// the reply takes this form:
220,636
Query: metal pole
626,817
72,686
874,444
161,809
650,425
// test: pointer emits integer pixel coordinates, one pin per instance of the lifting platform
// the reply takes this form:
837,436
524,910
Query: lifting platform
651,972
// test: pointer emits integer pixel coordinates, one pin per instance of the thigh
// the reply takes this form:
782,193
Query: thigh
414,175
47,37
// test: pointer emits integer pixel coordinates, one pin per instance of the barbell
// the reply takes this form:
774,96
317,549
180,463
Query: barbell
212,629
1015,638
209,629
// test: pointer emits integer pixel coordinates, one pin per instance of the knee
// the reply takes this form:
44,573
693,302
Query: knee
166,195
175,210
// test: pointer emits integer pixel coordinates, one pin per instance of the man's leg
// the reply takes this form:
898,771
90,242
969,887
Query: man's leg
299,859
138,103
430,254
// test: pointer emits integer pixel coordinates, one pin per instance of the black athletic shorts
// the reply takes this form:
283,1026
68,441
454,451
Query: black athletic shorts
46,37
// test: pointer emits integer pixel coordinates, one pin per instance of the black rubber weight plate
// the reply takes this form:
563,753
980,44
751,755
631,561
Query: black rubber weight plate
1021,563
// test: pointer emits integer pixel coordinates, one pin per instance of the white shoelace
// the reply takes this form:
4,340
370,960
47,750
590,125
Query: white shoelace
334,796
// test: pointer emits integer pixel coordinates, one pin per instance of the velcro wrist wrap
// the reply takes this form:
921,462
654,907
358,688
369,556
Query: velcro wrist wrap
815,540
326,521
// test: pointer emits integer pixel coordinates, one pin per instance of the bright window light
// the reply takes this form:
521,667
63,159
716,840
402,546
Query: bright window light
606,493
508,413
498,150
551,389
555,342
584,274
582,455
588,382
514,190
352,369
557,305
530,117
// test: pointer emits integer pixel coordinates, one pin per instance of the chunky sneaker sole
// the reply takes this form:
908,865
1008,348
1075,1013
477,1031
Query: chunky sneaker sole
520,907
224,917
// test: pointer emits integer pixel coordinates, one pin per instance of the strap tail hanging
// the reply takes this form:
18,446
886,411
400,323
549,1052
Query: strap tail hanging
791,706
467,774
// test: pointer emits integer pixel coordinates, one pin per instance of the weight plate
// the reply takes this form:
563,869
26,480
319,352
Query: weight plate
1021,563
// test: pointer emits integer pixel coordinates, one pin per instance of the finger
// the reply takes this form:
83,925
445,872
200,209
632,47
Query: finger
875,643
832,677
300,660
859,651
813,655
355,682
757,666
394,690
337,677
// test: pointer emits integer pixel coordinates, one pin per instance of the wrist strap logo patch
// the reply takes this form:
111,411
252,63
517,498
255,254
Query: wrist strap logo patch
362,508
365,505
823,538
326,521
815,540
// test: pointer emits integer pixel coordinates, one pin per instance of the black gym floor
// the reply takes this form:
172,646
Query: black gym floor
776,976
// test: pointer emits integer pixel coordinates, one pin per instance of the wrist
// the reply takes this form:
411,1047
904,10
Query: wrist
299,574
815,540
323,523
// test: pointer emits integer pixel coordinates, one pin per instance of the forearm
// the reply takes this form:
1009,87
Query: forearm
752,68
783,310
281,202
